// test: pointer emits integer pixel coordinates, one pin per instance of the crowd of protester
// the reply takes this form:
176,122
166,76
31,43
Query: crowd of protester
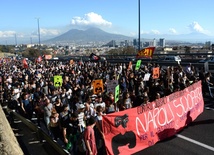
73,108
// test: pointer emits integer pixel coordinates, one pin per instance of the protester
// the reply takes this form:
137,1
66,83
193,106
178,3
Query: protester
47,111
99,135
70,131
76,101
81,116
208,84
54,125
90,137
27,107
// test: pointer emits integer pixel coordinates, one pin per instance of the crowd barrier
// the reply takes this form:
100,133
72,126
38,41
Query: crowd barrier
132,130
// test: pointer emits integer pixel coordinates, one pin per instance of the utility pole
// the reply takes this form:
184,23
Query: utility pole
15,40
38,34
138,25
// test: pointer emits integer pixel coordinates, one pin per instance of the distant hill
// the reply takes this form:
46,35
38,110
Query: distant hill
95,35
190,37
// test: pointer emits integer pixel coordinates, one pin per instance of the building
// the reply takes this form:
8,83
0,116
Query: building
154,43
208,45
162,42
112,43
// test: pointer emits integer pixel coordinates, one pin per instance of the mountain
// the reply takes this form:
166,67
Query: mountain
191,37
92,35
100,37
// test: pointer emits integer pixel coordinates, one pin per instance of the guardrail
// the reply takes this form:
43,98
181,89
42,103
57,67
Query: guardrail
8,141
41,134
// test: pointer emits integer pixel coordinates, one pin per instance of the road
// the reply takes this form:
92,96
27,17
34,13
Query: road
196,139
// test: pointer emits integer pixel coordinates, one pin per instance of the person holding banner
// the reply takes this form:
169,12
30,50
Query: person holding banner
209,85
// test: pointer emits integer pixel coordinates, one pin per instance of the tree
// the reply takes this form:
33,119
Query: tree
5,49
34,53
129,50
187,49
212,46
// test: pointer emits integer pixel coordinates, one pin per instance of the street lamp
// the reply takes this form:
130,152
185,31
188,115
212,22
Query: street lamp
38,33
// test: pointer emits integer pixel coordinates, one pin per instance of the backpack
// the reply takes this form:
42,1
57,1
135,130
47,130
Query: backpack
81,146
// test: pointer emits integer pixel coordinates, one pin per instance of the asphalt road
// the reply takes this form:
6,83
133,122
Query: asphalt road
196,139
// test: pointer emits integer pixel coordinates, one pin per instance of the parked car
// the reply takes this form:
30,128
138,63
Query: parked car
208,59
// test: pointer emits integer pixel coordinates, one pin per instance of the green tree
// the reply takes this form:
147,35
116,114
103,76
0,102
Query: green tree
187,49
130,50
5,49
34,53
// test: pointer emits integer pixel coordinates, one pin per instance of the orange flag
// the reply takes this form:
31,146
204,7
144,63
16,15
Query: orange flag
24,62
146,52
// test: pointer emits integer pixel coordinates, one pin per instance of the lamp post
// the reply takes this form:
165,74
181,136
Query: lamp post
138,25
38,33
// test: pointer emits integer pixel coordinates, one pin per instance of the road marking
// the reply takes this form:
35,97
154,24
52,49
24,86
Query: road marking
196,142
208,108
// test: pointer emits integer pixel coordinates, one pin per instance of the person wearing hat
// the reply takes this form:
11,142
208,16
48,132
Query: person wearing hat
81,115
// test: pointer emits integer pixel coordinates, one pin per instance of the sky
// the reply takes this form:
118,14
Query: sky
19,19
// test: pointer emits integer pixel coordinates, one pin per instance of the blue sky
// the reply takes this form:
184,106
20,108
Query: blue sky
19,17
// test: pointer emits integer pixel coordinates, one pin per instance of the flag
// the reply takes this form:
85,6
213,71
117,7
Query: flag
146,52
81,62
94,57
47,57
24,62
39,59
130,65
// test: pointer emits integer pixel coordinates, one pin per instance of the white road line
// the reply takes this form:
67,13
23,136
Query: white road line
195,142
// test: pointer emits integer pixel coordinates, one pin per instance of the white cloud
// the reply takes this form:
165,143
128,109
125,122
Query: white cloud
151,32
133,33
172,30
7,34
49,32
46,32
196,27
91,19
155,31
144,32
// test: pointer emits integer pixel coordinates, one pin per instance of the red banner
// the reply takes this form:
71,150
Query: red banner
146,52
135,129
47,57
